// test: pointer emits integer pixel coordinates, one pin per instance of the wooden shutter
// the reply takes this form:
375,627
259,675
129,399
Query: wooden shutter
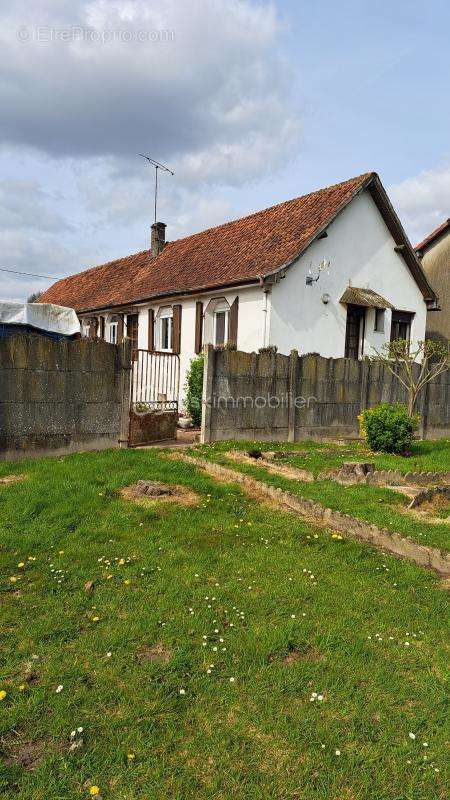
176,346
120,329
102,327
233,323
198,326
151,329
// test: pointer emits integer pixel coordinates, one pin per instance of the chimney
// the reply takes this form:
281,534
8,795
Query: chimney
158,238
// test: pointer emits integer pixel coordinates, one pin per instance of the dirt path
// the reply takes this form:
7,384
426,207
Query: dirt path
293,473
380,538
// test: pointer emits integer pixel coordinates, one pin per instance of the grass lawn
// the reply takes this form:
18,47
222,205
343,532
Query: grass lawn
372,503
280,613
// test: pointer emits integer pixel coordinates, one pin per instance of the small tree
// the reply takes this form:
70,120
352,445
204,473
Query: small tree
34,297
194,389
413,368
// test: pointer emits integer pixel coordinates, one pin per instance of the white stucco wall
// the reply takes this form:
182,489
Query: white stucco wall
250,323
361,251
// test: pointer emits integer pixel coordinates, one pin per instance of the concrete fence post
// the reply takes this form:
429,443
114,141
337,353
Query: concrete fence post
292,393
124,353
208,376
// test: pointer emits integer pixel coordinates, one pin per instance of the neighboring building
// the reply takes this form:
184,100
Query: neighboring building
260,281
434,253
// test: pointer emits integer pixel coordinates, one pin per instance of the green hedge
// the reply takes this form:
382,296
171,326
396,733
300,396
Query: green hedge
194,389
389,428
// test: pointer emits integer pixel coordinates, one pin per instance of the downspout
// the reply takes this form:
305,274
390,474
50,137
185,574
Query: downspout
266,310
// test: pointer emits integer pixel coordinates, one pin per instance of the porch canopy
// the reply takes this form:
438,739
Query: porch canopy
364,297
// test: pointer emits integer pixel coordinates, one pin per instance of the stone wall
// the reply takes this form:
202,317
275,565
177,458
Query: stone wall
274,397
61,396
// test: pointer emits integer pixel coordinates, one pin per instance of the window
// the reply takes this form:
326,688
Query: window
401,325
165,329
113,326
379,320
221,315
132,330
85,329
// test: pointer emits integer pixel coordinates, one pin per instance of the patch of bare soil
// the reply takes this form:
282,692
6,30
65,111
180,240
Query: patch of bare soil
293,655
293,473
155,653
148,492
16,752
428,510
12,479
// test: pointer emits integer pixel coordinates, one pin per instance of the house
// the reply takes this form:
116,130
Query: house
331,272
434,254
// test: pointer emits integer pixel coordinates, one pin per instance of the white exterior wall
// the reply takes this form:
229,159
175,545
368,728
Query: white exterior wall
250,323
361,251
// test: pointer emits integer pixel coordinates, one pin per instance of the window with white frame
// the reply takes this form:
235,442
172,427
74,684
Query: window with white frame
113,331
221,321
165,329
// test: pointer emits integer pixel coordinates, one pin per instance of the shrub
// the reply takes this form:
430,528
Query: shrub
194,389
388,427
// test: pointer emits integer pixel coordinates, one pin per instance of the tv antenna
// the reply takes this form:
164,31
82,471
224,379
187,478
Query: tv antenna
157,165
324,266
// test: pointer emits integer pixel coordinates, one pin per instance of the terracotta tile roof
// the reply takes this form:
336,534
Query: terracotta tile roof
432,236
234,253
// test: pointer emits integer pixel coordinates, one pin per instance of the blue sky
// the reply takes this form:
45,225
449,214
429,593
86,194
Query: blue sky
250,103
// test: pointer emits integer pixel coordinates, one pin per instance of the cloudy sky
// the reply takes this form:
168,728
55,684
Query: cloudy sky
249,102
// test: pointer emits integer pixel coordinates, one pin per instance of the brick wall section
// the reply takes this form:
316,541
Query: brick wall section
274,397
61,396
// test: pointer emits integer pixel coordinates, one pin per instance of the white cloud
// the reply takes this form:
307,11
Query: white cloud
217,93
423,201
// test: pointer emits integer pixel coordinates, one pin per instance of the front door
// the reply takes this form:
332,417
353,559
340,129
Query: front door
354,333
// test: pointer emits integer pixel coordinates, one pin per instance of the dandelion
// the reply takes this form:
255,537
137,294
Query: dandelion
95,619
13,579
182,691
131,756
337,752
232,680
94,791
292,616
2,694
21,564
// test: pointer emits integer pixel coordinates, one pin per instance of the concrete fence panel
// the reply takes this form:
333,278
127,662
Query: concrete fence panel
61,396
275,397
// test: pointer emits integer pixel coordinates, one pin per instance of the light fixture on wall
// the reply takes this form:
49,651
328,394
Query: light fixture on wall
325,298
324,266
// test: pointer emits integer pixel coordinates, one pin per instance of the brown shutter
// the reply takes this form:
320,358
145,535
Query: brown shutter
151,329
198,326
102,327
176,346
120,329
233,323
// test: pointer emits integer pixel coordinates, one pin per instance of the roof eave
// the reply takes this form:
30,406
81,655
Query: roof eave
363,185
381,199
175,293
